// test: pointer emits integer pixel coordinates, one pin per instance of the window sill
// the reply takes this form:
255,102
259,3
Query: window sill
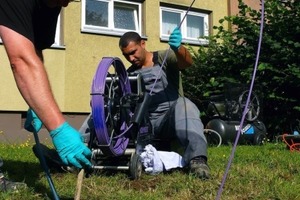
56,46
111,32
199,42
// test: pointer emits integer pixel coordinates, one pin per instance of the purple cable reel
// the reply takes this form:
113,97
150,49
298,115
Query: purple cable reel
107,89
119,113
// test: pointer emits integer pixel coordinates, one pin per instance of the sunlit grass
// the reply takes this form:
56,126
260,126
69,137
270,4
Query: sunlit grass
265,172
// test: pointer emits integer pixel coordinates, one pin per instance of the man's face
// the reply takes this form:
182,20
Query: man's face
135,53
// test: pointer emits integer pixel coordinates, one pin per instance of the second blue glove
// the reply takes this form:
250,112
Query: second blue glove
175,39
33,122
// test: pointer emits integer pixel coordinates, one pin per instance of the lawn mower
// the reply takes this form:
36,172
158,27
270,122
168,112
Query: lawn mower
225,113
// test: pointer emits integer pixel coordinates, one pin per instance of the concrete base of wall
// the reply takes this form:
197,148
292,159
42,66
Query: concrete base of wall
12,128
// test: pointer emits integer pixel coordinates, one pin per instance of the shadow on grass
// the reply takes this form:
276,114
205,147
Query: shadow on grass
29,173
20,171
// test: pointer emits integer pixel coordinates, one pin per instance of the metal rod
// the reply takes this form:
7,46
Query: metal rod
44,166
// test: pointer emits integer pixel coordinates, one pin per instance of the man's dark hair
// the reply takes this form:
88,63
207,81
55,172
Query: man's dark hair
129,37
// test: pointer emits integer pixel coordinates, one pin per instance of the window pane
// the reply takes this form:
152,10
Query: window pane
96,13
124,16
195,26
170,20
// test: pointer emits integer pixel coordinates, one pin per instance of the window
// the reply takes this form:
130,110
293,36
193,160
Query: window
194,25
113,17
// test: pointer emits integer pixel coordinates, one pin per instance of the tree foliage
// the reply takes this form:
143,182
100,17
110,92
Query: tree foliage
230,58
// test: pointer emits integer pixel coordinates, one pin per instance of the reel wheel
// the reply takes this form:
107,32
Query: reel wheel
135,167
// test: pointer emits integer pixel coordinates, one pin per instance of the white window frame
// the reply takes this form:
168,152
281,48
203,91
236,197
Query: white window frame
183,28
58,40
111,30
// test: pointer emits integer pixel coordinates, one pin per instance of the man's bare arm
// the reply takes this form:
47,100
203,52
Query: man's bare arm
184,58
31,77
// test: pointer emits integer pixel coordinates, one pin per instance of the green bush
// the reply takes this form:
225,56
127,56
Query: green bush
230,57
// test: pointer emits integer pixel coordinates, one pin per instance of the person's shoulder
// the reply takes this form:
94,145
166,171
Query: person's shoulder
163,53
166,51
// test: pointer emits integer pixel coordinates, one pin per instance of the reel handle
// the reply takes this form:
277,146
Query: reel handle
140,109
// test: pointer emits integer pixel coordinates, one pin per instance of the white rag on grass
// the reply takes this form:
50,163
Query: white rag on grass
156,161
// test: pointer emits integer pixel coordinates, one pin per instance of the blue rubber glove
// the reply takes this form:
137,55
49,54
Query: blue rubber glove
33,122
175,39
70,147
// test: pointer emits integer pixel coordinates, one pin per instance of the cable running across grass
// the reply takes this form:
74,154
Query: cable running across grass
247,103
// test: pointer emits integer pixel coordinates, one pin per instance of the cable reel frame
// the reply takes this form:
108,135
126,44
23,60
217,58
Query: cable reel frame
111,121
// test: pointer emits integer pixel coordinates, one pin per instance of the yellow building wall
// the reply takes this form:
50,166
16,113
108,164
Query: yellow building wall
11,99
71,70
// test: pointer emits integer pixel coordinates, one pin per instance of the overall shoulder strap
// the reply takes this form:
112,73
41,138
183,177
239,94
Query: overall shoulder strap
155,58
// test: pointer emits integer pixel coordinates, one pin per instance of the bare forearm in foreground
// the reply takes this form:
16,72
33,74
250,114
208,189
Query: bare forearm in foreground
31,78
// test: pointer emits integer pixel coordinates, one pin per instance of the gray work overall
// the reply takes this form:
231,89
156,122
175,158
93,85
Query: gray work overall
172,116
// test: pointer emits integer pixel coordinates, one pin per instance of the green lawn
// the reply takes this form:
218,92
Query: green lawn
268,172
